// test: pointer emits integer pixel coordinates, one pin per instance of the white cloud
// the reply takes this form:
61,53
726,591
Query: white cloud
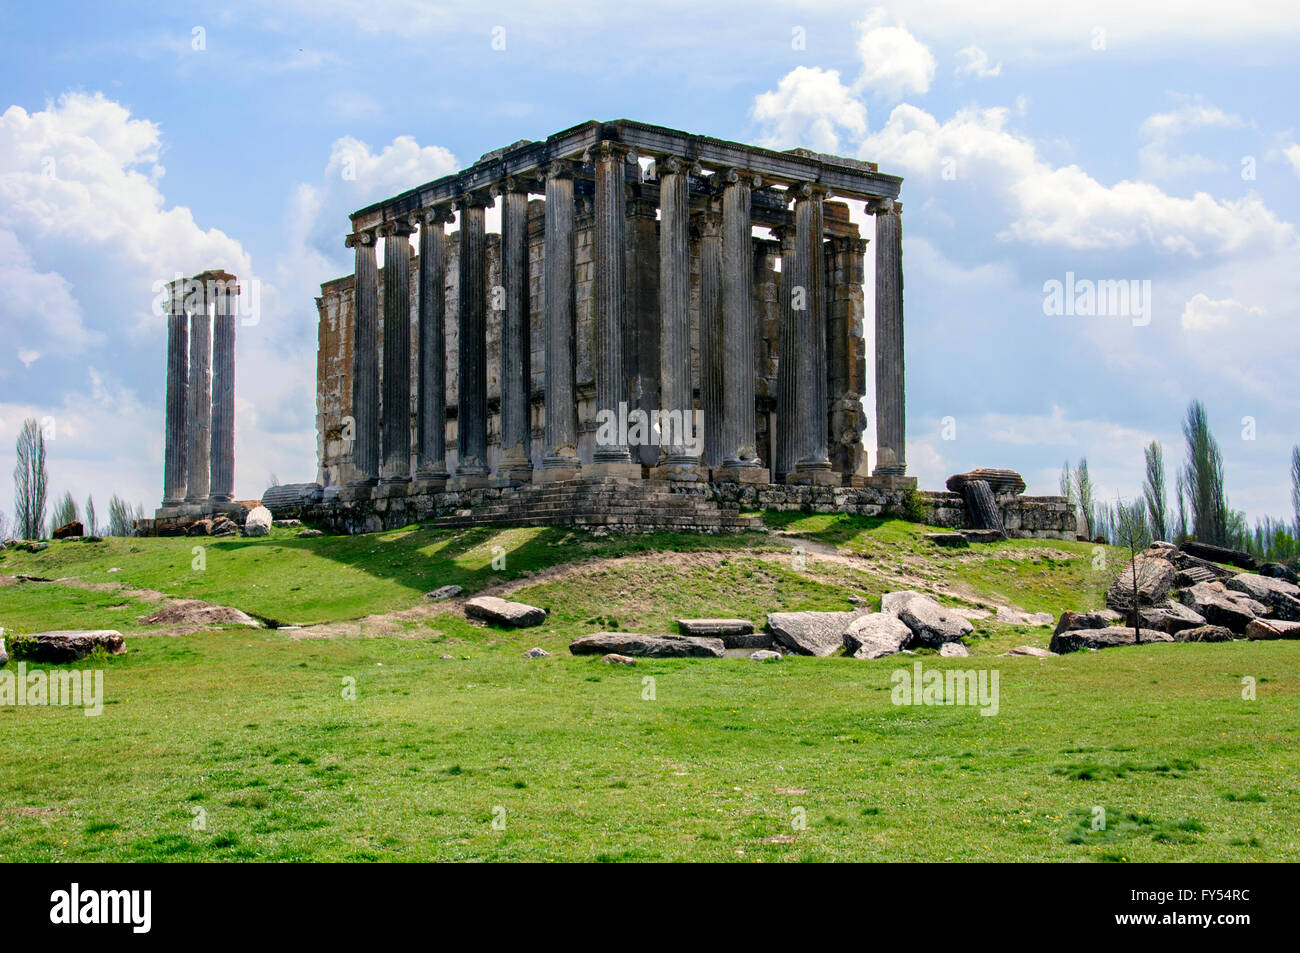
1064,206
894,62
809,107
1202,313
974,61
1159,131
1292,153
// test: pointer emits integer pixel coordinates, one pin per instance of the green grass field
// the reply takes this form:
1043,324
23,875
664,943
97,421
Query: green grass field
243,745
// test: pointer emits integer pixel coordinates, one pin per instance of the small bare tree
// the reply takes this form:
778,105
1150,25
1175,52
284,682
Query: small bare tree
1133,530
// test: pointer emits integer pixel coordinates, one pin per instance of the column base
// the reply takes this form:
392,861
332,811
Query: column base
393,488
513,476
623,472
354,492
746,475
888,481
469,481
558,470
815,475
422,485
677,472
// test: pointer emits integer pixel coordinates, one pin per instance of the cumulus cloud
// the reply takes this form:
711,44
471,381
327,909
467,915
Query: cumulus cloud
1202,313
973,61
1292,153
810,107
1065,206
1160,131
894,62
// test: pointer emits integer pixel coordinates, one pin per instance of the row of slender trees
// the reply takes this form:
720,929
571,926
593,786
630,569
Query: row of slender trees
31,486
1199,508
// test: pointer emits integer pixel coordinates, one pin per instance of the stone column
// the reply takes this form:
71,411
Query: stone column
471,408
740,463
515,464
891,430
199,399
560,461
365,364
610,457
395,470
846,356
431,399
222,488
178,369
678,430
808,302
711,376
787,351
643,316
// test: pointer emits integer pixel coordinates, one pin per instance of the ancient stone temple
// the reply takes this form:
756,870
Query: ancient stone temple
665,327
199,447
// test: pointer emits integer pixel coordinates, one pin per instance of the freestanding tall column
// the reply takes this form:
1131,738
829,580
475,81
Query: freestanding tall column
891,451
560,461
365,363
471,404
642,351
431,399
395,471
808,303
610,457
740,461
711,378
515,463
223,390
675,322
787,359
178,369
199,398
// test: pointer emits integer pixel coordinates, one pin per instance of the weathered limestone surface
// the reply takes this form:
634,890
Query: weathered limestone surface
503,612
646,646
199,399
178,364
1111,637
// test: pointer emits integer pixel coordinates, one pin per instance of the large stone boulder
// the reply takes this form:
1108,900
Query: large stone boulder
290,495
4,656
1220,605
1280,571
1171,617
1028,651
1272,629
1073,621
258,522
735,633
932,625
1155,577
1203,633
1001,482
876,635
1278,594
811,633
69,530
1009,616
954,650
893,602
637,645
1111,637
1219,554
67,645
518,615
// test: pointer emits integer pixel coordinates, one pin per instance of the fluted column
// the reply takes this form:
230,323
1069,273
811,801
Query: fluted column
677,417
365,362
431,379
471,405
395,470
740,461
812,465
609,301
199,399
711,376
222,487
787,358
560,461
642,351
176,444
515,464
891,424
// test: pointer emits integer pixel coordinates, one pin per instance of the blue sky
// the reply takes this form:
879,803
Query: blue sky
1110,140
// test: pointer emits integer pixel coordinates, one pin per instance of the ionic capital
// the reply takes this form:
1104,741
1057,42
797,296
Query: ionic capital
560,169
398,227
734,176
437,215
365,236
882,206
479,199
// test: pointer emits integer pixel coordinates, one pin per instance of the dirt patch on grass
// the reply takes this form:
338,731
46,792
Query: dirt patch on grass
183,616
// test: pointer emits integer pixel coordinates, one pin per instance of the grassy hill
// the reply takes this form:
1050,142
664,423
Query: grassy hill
250,730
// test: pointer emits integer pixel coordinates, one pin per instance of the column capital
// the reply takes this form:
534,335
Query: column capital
364,236
437,215
707,224
735,176
809,190
517,184
607,150
883,206
676,165
399,227
561,169
784,234
479,199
